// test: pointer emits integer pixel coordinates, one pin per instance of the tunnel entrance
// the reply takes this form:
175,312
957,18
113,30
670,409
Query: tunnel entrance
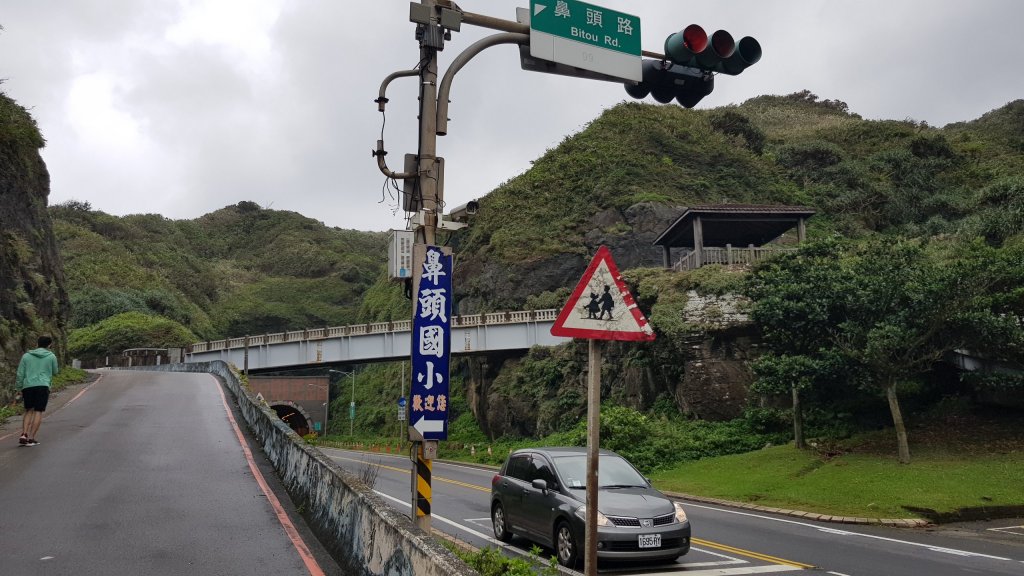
293,418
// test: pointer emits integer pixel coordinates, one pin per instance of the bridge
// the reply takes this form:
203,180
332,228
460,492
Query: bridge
378,341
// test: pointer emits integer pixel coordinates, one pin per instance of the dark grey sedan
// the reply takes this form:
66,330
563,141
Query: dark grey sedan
540,494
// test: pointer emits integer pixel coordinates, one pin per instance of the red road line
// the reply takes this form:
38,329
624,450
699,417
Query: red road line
77,396
282,517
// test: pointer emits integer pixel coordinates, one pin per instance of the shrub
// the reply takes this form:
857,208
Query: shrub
128,330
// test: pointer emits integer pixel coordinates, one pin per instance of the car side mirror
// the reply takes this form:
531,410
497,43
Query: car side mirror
540,484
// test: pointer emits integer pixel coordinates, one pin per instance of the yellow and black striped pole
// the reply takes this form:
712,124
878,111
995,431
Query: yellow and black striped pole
421,488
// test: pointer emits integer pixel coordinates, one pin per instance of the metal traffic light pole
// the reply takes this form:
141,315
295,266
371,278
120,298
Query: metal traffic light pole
688,78
434,18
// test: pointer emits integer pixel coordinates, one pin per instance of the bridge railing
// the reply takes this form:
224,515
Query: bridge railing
488,319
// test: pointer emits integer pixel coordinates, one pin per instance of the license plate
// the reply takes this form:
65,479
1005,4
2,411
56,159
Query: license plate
650,541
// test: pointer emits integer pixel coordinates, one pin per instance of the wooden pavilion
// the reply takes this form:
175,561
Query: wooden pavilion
730,233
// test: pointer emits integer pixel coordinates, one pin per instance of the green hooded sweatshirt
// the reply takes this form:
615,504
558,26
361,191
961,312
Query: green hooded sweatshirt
36,368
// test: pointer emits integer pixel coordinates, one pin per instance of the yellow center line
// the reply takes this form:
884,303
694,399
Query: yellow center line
407,471
749,554
698,541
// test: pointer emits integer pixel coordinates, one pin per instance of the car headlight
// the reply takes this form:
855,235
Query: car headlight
680,513
602,520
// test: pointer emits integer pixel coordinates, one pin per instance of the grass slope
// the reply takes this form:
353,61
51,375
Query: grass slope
969,468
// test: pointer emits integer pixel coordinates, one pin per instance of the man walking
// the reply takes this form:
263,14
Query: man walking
35,371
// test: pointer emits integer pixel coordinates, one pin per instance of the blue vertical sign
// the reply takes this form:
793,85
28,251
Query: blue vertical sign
431,338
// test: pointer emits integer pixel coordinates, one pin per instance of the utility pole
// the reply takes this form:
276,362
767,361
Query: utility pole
549,43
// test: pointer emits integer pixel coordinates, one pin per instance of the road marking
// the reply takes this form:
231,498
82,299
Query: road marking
836,532
282,517
481,535
685,566
860,534
1009,530
723,547
406,471
713,572
750,554
837,574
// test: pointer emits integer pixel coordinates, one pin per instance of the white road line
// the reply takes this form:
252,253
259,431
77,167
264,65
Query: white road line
862,535
1008,530
485,537
837,574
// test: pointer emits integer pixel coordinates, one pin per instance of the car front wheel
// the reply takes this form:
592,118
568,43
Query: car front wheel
500,524
565,545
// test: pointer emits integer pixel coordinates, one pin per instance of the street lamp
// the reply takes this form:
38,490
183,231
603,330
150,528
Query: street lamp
352,404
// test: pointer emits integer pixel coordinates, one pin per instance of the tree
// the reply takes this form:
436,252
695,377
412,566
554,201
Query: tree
797,318
883,312
905,308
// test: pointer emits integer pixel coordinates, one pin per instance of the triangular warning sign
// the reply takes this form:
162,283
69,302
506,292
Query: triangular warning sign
601,307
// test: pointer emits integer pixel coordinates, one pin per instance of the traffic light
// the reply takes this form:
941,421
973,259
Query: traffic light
691,47
691,59
665,81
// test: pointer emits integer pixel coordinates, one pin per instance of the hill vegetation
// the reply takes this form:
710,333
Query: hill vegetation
950,200
239,270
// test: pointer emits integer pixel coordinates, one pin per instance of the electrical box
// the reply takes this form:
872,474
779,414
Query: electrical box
400,254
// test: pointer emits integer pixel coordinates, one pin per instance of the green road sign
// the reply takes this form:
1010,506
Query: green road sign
586,36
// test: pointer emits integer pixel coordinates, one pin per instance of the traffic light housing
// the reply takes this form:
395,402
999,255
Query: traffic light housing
691,59
665,81
719,53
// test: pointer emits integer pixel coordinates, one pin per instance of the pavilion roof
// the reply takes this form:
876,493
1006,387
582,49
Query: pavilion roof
736,224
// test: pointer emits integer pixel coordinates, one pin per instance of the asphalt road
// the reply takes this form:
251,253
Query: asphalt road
731,541
144,473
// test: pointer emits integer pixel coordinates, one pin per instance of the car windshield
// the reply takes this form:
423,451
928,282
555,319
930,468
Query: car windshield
612,472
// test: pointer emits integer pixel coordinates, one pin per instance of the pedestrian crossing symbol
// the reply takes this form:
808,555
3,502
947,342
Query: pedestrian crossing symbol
601,307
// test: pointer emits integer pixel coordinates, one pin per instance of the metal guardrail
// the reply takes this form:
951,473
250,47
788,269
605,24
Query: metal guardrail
488,319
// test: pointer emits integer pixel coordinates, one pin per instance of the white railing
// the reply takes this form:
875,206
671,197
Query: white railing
727,256
489,319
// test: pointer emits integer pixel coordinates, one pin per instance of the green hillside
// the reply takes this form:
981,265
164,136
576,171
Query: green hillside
239,270
944,199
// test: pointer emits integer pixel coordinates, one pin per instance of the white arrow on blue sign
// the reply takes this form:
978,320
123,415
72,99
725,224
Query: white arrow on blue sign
427,428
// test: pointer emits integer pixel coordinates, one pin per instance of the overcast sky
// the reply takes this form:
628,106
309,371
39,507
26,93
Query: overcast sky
181,107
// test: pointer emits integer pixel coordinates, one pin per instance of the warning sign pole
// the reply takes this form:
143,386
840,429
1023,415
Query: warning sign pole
593,445
600,292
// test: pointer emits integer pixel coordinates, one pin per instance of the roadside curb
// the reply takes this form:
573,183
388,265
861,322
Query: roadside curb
896,522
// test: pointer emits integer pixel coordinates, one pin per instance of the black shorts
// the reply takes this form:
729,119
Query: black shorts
36,397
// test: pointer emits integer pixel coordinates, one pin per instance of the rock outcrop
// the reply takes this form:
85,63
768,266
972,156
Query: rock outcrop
33,299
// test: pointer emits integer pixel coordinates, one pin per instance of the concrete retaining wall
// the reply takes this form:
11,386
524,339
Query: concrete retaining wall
366,536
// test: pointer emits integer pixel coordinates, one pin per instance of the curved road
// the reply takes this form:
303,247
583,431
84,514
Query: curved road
728,541
145,473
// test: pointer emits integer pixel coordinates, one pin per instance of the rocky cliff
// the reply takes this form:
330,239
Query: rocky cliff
33,299
705,374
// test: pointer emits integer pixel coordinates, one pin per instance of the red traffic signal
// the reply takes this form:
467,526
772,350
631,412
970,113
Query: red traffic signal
690,47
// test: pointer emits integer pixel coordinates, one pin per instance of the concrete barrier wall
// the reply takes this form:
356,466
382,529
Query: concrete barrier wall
363,534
